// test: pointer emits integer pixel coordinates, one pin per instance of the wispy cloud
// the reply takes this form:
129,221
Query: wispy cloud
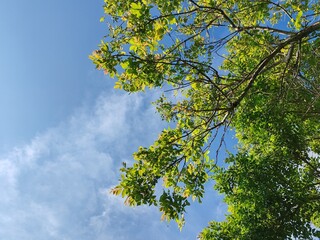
56,187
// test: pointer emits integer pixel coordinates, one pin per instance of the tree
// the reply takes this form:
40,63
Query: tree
249,66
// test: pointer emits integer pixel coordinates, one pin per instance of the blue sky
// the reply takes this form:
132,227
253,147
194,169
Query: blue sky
64,132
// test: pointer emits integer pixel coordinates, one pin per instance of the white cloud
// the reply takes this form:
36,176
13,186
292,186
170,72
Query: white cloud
56,187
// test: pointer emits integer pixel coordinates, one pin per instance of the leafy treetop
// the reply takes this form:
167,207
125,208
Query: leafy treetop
250,66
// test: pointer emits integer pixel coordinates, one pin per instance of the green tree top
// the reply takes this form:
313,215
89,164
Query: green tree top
250,66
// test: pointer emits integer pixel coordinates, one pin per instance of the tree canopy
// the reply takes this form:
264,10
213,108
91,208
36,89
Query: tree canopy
247,66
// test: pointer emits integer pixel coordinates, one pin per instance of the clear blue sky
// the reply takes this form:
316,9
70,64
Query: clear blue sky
64,132
45,71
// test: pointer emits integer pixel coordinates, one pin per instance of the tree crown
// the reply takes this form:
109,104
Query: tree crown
250,66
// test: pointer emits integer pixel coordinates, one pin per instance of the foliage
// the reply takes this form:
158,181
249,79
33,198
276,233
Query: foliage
250,66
